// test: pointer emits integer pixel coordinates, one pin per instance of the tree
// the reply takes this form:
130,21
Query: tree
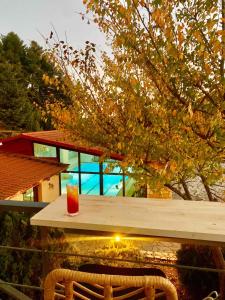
16,112
159,98
37,65
22,88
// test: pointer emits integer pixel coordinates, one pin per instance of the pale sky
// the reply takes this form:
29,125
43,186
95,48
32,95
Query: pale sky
29,17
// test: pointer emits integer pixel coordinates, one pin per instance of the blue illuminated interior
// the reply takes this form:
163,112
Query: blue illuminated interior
85,171
90,183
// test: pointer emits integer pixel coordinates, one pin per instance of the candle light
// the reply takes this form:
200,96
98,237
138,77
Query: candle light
72,200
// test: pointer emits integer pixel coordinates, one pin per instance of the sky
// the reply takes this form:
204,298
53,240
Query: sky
32,18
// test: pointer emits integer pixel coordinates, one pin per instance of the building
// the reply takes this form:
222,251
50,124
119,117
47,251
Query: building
85,168
28,178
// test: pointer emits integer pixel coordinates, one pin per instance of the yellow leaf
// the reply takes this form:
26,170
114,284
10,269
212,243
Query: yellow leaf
190,110
173,166
122,10
123,164
181,55
198,36
207,68
221,32
180,37
174,113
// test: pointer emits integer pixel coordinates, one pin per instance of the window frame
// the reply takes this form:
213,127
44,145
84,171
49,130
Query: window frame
79,172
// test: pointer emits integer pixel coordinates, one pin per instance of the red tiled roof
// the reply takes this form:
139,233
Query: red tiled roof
53,136
19,173
60,139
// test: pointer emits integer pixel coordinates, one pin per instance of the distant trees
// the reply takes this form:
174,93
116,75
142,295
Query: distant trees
22,88
15,109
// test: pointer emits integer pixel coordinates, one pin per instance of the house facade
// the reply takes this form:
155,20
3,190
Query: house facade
85,168
26,178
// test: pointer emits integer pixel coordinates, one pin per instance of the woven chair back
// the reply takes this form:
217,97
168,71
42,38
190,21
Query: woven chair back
67,284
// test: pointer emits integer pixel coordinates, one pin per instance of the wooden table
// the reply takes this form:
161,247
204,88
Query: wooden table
175,219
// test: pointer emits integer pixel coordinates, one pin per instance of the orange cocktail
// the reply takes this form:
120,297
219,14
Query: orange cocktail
72,200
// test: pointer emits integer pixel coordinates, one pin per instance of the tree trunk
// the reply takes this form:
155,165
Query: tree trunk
186,190
209,194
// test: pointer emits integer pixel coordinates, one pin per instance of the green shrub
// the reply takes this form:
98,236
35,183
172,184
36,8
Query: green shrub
25,267
198,283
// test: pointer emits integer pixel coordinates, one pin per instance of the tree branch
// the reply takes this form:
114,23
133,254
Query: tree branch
176,191
187,192
207,189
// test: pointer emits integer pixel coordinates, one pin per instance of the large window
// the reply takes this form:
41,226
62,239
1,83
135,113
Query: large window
109,166
91,176
94,177
70,179
130,186
113,185
28,195
89,163
41,150
90,184
70,158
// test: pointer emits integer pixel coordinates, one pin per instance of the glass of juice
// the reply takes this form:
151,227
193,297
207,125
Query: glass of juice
72,200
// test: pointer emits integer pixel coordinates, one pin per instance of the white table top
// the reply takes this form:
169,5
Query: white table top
180,219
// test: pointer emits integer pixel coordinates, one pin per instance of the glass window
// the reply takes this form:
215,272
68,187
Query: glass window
109,166
68,178
90,184
71,158
113,185
28,195
89,163
130,186
41,150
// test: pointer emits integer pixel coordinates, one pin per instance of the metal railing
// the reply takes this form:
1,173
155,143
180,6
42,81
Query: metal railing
30,208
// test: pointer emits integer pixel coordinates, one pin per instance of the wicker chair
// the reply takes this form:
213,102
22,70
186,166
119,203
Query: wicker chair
66,281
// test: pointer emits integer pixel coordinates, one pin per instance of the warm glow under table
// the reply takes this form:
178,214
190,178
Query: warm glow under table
176,219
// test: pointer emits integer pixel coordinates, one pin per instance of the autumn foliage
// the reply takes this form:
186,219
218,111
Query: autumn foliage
159,97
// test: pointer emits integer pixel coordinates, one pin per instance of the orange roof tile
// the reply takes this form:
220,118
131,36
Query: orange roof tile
19,173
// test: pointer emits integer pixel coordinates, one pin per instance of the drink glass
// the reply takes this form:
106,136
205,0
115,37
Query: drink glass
72,200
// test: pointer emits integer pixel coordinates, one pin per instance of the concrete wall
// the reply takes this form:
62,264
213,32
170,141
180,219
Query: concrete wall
163,193
18,197
48,190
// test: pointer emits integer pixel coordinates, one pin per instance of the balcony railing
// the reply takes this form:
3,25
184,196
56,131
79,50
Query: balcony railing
50,248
